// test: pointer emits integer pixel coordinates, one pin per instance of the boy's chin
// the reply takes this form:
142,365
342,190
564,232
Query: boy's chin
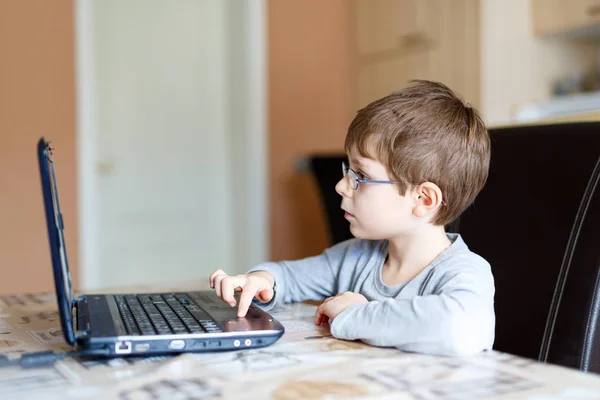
359,233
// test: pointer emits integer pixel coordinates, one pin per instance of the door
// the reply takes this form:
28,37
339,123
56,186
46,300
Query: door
165,198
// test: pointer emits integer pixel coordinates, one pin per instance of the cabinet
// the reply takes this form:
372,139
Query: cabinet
551,17
399,40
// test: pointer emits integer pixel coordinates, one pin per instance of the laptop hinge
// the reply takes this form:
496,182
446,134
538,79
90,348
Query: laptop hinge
80,319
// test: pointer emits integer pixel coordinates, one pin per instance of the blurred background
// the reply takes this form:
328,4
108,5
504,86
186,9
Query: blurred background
182,129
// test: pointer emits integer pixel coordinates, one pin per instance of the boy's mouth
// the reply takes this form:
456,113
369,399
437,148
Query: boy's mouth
347,215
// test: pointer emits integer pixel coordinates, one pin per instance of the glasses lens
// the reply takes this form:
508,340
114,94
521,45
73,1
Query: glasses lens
353,179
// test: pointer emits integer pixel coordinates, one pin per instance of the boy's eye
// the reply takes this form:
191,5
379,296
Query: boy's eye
361,175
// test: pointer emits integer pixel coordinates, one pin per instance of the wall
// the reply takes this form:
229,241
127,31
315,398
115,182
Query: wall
309,111
517,68
37,97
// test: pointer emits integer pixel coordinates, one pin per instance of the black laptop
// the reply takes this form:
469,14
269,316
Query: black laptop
143,323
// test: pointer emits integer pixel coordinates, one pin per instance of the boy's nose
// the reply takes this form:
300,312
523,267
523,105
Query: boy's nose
343,187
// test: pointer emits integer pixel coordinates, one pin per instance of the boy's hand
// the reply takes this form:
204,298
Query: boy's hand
333,306
258,285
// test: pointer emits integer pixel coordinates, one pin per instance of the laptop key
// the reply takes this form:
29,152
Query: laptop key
126,316
210,326
141,319
156,317
164,314
199,314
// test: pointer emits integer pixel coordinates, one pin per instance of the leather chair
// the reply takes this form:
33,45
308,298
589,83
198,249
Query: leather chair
327,171
537,221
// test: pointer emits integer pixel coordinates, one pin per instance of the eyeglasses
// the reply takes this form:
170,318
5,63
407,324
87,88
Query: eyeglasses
353,177
354,180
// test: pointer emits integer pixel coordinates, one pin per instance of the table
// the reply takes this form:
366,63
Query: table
305,363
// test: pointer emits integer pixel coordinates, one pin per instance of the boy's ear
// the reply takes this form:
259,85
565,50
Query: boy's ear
428,198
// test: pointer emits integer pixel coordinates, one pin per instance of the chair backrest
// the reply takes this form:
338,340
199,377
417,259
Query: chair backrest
525,223
573,336
540,231
327,171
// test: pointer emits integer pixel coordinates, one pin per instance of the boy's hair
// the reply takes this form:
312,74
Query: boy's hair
426,133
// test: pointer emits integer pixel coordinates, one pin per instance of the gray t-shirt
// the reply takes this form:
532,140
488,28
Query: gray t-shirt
447,309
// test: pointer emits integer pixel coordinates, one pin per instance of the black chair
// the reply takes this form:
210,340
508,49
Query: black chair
537,221
327,171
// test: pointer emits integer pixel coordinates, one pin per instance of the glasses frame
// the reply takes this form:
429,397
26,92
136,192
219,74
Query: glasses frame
350,173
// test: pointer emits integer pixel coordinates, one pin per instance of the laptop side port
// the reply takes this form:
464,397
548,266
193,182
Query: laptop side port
141,347
122,347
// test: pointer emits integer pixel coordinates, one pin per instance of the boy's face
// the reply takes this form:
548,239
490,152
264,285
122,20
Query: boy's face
375,211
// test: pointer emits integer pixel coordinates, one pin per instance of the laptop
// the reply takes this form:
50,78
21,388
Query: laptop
143,323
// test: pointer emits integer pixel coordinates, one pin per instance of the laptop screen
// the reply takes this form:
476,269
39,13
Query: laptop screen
58,251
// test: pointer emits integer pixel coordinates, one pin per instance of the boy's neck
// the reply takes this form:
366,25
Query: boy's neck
408,255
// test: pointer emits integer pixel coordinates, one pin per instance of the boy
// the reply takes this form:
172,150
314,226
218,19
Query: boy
417,159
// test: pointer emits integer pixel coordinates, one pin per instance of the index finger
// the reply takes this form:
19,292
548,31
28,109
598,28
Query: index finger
250,290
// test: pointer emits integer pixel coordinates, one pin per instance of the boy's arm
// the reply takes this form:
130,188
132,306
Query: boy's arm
312,278
458,320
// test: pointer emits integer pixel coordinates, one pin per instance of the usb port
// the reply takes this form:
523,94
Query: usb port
141,347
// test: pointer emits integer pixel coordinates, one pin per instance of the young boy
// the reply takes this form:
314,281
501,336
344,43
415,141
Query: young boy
417,159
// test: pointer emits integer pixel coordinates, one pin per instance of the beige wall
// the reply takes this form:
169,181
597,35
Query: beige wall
517,68
37,97
310,110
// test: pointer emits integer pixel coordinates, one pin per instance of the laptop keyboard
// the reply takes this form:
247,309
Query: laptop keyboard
163,314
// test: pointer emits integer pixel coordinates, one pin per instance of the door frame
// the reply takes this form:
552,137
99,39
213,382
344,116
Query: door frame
247,135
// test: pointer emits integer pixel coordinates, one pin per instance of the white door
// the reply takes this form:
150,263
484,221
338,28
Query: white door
159,150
